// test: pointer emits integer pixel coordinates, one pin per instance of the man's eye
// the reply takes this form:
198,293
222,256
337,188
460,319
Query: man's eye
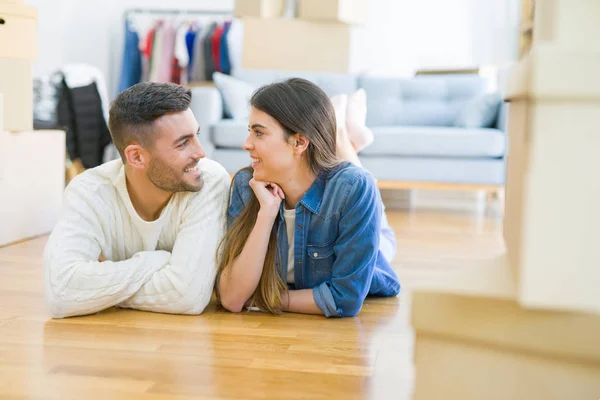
183,144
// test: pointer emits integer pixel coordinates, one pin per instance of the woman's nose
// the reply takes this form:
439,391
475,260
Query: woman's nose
247,144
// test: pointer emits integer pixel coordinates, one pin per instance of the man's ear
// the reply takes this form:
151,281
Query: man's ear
136,156
300,143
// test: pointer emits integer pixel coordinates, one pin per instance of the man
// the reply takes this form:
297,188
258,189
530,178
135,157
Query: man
141,232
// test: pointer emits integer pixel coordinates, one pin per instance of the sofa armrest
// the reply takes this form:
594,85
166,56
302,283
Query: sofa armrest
207,106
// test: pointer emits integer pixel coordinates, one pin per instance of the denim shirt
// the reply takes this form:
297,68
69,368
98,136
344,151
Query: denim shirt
336,239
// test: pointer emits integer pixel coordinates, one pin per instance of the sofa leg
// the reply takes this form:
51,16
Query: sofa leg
494,200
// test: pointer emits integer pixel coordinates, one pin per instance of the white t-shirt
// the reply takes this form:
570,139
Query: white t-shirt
290,221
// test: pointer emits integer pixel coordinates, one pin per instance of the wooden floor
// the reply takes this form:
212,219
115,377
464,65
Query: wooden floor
122,354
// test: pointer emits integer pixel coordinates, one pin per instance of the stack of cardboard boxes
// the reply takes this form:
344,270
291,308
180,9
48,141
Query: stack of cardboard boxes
304,35
526,324
31,162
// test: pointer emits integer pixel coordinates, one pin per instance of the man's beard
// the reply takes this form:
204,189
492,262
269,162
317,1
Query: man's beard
166,178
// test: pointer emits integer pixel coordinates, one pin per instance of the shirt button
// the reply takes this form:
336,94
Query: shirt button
315,254
298,261
299,226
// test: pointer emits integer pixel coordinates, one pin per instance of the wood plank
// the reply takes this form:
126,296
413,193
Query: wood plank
126,354
437,186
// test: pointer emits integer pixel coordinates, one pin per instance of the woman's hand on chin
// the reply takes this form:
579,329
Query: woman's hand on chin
269,196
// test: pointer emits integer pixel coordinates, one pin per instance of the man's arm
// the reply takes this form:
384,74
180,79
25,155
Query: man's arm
186,283
75,282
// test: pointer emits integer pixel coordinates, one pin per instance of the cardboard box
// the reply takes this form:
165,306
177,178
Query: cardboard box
346,11
18,31
554,113
473,338
32,184
297,45
567,23
16,85
20,2
258,8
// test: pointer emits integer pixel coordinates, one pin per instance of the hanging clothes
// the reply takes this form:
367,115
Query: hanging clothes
146,50
78,75
216,48
168,53
208,54
199,65
224,50
178,52
80,113
190,39
156,53
235,41
131,69
181,57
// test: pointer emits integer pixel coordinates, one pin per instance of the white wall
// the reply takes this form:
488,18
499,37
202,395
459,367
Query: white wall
408,34
51,35
91,31
405,34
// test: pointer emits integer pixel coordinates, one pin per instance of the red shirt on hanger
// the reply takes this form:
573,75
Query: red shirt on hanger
216,47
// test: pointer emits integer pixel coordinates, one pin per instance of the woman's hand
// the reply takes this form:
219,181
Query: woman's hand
269,196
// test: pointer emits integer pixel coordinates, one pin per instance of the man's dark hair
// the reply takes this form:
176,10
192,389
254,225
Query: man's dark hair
135,109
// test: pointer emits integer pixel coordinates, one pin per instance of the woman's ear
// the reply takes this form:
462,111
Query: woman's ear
300,143
136,156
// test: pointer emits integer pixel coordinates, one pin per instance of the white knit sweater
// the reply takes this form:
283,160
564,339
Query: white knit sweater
167,265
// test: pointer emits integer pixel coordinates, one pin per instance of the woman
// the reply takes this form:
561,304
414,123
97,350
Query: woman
300,216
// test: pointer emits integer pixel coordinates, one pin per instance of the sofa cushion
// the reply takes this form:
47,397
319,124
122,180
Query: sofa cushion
422,100
230,133
485,171
419,141
426,113
236,95
479,112
232,159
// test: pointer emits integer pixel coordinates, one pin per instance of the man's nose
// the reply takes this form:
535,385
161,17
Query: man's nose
199,150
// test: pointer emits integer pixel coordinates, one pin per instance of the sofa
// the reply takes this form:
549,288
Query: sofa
415,121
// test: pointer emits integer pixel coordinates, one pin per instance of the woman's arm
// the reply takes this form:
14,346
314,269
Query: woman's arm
300,301
239,280
356,251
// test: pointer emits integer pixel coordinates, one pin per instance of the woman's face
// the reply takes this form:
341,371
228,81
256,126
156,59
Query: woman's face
274,157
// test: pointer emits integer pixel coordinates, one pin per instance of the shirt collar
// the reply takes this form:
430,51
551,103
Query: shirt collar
313,198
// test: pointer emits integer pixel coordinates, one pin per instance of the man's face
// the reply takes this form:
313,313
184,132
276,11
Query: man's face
175,154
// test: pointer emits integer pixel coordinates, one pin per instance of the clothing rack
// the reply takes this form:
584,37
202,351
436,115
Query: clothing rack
160,11
184,56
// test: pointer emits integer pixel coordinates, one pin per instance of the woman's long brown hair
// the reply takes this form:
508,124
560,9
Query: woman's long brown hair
300,107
